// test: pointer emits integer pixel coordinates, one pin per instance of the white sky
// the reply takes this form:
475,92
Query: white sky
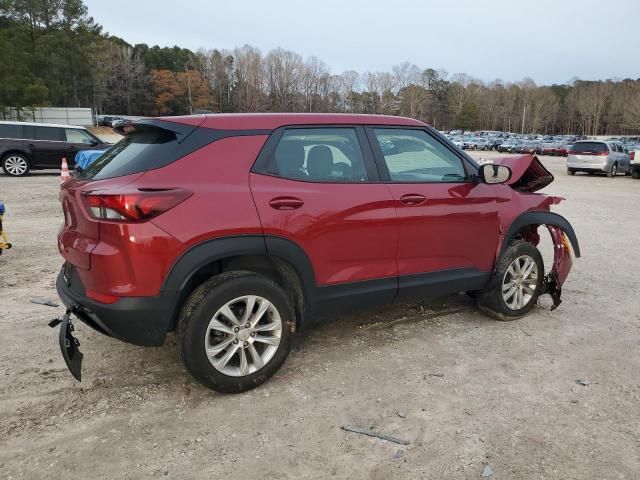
551,41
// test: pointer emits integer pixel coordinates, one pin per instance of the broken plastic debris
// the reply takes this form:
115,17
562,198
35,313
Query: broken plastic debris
371,433
487,471
584,383
44,301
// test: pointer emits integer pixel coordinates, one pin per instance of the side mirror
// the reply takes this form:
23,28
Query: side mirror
492,174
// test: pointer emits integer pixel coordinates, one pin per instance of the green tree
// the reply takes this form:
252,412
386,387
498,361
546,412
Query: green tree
468,118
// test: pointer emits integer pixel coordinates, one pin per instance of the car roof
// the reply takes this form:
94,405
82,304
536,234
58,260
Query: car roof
270,121
57,125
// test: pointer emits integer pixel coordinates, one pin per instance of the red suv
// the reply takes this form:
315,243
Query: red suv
232,230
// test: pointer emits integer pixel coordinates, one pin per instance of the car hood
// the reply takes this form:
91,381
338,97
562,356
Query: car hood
527,173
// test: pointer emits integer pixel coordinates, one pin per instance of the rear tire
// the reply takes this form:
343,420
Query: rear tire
208,335
516,283
635,173
16,165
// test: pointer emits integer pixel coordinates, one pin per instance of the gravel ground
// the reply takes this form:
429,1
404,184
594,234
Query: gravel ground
464,390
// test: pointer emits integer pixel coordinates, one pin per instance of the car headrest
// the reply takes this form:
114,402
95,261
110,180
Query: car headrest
320,162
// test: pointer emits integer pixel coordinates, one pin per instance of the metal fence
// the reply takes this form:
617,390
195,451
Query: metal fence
83,117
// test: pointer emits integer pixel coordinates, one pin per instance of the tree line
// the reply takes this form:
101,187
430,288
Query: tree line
52,53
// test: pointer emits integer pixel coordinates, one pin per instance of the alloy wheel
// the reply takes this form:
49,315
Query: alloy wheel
243,335
15,165
519,282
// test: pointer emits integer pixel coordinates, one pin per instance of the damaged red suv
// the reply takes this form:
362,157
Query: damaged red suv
232,230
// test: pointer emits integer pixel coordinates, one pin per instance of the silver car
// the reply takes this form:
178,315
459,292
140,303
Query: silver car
596,156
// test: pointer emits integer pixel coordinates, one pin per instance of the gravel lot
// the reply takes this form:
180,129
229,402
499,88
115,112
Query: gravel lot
474,391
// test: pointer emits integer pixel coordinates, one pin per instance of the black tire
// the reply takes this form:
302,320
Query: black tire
614,170
490,300
571,171
20,157
635,173
200,308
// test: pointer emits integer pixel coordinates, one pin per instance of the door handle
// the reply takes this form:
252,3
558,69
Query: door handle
286,203
413,199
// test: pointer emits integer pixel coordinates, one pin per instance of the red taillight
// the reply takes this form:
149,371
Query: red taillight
632,155
134,206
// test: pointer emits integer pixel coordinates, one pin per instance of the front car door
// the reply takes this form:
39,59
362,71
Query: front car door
315,188
448,225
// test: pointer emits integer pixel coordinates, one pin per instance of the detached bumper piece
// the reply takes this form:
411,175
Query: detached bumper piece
69,344
561,265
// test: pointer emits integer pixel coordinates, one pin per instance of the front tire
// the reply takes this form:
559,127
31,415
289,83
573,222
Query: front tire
16,165
516,283
235,331
571,171
613,172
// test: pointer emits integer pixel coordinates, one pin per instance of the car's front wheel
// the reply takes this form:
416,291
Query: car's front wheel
516,284
613,172
15,165
235,331
571,171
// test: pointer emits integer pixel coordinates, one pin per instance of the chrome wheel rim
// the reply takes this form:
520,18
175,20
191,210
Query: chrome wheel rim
243,335
520,282
15,165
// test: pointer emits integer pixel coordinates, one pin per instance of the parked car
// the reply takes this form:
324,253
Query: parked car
37,146
233,230
634,160
509,146
594,156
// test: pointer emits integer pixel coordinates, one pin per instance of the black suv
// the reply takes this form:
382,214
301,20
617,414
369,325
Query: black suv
36,146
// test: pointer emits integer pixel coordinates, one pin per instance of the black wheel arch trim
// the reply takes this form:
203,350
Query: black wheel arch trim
541,218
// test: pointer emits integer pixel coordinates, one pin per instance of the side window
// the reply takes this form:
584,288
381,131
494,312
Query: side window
75,135
49,133
415,156
11,131
319,155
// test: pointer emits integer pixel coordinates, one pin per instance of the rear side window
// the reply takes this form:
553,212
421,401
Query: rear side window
144,149
330,155
49,133
588,147
11,131
415,156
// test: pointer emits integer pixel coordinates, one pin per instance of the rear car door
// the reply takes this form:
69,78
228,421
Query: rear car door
315,187
47,145
448,225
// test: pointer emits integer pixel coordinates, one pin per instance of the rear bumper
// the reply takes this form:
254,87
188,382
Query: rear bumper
141,321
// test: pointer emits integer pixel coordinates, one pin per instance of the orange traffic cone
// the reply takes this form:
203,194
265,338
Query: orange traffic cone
64,174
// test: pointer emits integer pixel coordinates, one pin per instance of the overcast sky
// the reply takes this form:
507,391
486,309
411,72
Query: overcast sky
551,41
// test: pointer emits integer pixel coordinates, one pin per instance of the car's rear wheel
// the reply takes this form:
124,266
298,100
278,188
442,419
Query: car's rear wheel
15,165
516,284
613,172
635,173
235,331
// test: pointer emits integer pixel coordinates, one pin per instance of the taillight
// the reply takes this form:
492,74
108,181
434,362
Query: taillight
632,155
134,206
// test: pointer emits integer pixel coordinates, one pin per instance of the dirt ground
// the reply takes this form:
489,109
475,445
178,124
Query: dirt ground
465,391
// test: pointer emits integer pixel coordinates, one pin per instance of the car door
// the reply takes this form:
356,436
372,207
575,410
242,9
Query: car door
315,187
448,225
47,145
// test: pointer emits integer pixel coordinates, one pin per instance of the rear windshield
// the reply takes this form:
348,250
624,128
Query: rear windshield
582,147
145,149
